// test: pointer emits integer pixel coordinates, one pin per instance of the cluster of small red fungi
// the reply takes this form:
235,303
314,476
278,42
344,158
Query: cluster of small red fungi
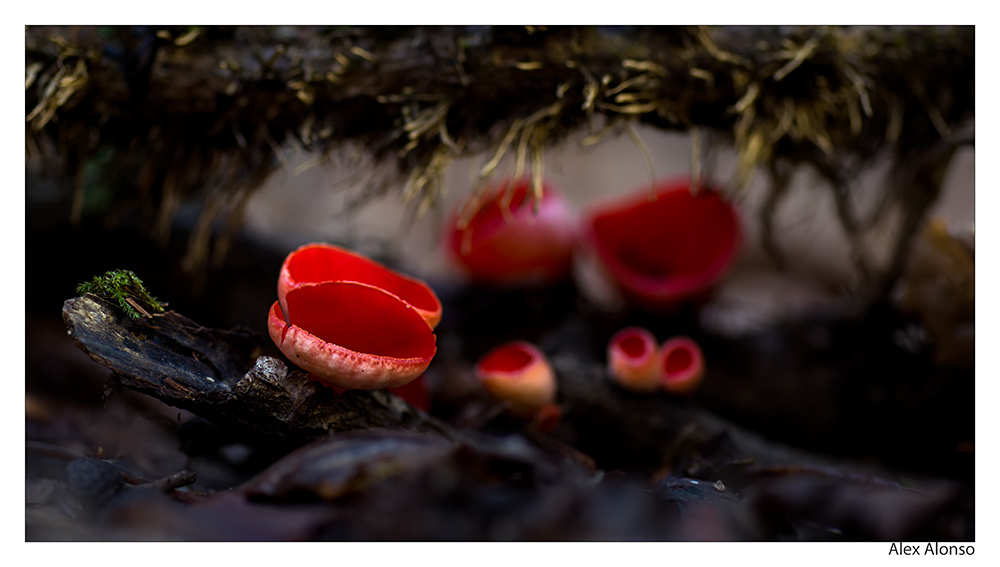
356,324
637,363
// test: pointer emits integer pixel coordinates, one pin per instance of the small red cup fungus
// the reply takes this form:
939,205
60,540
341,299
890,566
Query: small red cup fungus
682,365
667,250
634,359
547,418
415,393
352,335
318,262
510,245
518,373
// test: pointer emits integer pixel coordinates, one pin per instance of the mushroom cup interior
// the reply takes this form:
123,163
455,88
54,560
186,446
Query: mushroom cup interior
362,319
677,360
490,218
633,346
511,245
317,263
677,236
506,360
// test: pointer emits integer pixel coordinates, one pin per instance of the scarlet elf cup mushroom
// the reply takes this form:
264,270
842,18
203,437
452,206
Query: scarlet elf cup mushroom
352,335
634,359
520,374
416,393
668,247
499,240
682,365
319,262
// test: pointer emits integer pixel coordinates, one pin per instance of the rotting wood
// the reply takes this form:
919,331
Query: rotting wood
223,376
683,438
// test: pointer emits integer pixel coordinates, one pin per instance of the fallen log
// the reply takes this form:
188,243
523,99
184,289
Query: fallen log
225,377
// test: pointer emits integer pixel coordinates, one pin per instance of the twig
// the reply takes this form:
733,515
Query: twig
646,157
780,183
174,481
138,307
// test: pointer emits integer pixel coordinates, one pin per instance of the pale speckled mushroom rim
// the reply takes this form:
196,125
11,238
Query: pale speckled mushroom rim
279,315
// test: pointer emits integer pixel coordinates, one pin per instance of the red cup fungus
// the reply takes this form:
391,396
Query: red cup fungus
318,262
634,359
518,373
509,244
547,418
665,249
415,393
682,365
352,335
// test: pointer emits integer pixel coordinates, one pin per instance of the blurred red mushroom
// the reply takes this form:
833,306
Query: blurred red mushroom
682,365
547,418
352,335
668,249
415,393
634,359
519,374
507,244
318,262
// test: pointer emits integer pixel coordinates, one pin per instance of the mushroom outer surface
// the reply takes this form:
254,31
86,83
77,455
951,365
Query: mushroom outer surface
513,246
634,359
352,335
320,262
518,373
682,365
416,393
668,250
